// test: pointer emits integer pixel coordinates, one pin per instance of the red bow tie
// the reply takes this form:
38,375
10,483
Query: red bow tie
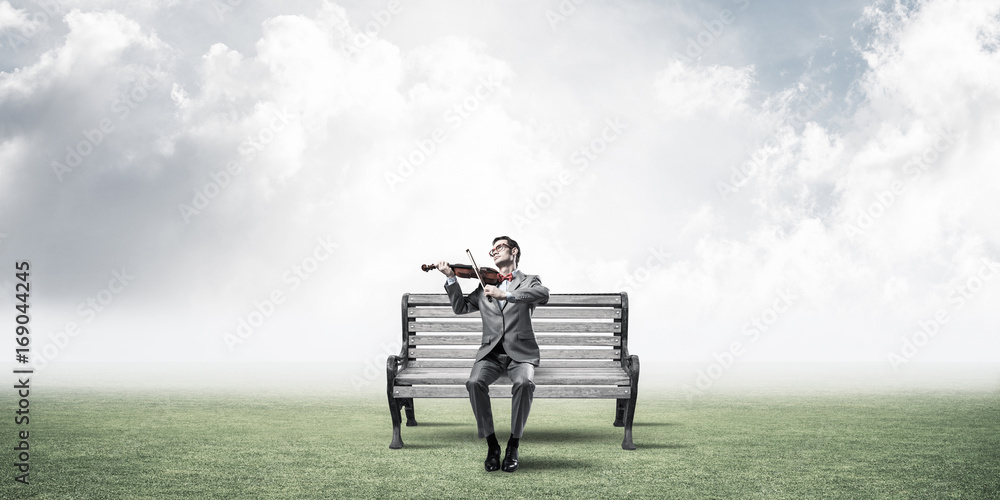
506,277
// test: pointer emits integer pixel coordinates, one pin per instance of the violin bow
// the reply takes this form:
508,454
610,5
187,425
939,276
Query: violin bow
475,269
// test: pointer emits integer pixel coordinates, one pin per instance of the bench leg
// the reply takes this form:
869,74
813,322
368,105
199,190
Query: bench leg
620,406
411,421
394,404
627,443
397,420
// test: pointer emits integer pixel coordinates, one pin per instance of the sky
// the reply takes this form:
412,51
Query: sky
237,183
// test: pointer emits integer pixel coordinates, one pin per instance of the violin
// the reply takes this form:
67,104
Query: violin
486,276
490,276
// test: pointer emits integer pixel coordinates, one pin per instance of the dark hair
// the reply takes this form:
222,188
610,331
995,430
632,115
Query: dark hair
513,245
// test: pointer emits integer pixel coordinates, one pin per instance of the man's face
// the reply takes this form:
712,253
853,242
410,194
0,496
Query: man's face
501,252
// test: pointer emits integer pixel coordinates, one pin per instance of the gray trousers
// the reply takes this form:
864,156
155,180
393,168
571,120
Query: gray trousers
488,370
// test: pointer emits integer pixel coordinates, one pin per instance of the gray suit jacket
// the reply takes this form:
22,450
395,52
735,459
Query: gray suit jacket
512,323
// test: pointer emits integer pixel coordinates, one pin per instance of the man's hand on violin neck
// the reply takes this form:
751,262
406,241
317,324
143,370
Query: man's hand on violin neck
496,293
445,269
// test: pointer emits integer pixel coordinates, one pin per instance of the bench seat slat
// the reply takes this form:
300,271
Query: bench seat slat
541,312
541,326
500,391
542,371
543,339
583,299
545,353
543,376
559,363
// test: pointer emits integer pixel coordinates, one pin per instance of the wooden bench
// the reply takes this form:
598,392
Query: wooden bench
584,354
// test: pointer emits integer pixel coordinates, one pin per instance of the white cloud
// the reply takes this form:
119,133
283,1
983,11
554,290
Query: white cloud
685,90
826,220
935,63
12,19
354,111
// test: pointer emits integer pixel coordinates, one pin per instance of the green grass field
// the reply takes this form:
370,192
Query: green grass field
94,444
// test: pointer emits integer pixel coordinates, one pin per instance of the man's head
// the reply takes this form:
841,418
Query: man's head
504,247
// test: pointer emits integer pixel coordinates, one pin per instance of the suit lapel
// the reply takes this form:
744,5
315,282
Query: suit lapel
516,282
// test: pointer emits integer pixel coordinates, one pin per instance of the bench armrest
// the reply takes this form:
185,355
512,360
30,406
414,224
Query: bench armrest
393,364
631,365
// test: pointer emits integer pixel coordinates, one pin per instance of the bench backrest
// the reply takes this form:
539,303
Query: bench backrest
573,330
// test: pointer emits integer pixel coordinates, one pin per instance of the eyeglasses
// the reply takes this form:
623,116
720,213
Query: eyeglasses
497,249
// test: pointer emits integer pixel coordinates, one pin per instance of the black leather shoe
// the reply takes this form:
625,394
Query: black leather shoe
510,460
492,462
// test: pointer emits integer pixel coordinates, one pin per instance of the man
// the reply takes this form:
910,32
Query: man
508,344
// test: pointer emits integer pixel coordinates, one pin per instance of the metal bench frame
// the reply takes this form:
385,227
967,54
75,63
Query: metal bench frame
583,340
